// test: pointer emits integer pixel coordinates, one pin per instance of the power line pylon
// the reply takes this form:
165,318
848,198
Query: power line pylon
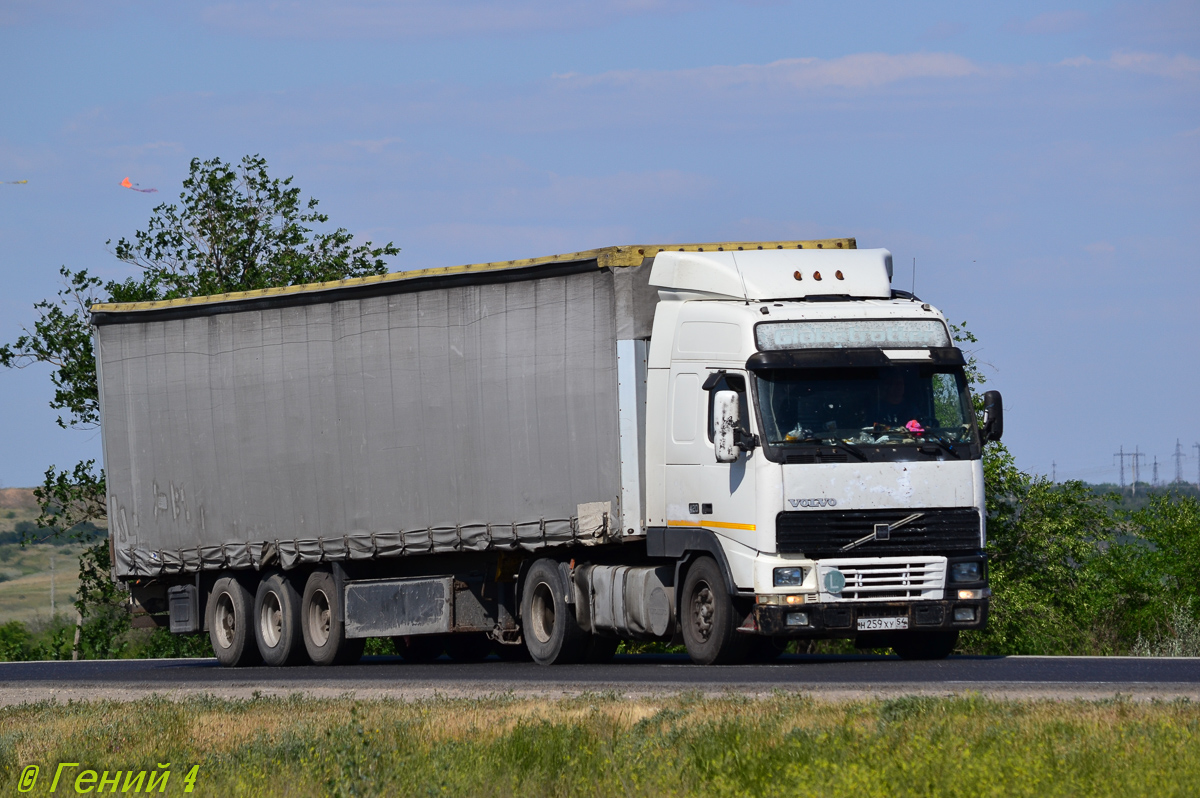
1155,482
1121,457
1179,458
1136,457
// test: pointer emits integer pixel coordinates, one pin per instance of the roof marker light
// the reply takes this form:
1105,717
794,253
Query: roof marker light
838,274
816,275
798,275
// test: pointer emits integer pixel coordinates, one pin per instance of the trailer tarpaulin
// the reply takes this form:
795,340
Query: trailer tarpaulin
446,419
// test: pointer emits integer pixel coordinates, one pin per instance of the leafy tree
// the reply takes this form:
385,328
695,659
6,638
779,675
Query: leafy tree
1046,544
235,228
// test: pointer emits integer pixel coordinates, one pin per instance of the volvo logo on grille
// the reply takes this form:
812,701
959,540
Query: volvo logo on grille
812,502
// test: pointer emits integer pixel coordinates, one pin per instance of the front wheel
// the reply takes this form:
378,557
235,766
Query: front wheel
708,617
926,645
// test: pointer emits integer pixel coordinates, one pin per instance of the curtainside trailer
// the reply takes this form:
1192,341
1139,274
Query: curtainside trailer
728,445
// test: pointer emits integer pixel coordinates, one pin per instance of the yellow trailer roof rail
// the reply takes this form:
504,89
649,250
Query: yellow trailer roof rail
605,257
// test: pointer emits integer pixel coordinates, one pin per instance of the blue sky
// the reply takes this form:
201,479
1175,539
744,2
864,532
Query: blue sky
1041,162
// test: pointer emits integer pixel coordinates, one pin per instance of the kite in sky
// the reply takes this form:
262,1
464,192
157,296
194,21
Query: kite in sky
134,187
12,182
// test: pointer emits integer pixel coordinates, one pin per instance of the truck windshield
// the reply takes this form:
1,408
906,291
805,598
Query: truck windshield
897,405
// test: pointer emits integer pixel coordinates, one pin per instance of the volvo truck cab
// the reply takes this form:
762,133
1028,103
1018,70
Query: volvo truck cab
817,470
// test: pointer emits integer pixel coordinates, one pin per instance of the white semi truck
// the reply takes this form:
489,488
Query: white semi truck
728,445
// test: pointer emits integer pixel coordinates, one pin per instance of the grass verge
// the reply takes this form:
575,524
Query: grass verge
602,745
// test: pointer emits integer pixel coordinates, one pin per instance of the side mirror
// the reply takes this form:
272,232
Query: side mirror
725,418
993,416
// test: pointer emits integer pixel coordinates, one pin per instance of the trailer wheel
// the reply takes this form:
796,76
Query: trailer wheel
552,634
708,618
324,635
230,608
277,621
926,645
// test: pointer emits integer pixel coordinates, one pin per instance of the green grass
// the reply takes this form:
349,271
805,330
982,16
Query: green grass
605,745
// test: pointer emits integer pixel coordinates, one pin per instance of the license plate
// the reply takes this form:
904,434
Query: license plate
873,624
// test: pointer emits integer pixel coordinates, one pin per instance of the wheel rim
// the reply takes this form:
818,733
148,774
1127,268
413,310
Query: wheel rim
704,607
225,621
319,618
542,609
270,621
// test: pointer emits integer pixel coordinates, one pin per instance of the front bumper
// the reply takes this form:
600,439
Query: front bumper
840,619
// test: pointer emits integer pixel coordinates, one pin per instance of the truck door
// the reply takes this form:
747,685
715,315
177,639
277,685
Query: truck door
700,491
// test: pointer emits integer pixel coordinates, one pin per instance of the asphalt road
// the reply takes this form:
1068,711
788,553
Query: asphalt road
637,672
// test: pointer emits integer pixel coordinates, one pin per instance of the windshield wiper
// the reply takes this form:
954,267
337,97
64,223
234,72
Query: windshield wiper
944,445
849,447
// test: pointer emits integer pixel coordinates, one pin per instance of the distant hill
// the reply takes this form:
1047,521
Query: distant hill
18,499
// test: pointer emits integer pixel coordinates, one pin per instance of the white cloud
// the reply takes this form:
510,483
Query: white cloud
861,70
1178,66
1163,66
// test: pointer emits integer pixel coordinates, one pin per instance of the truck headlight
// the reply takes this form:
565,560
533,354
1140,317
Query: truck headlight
789,577
964,572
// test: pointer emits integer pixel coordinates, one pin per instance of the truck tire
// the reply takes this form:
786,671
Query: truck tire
277,621
926,645
548,624
230,628
324,635
708,617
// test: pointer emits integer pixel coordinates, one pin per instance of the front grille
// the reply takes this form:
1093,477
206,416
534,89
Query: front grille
823,533
886,579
